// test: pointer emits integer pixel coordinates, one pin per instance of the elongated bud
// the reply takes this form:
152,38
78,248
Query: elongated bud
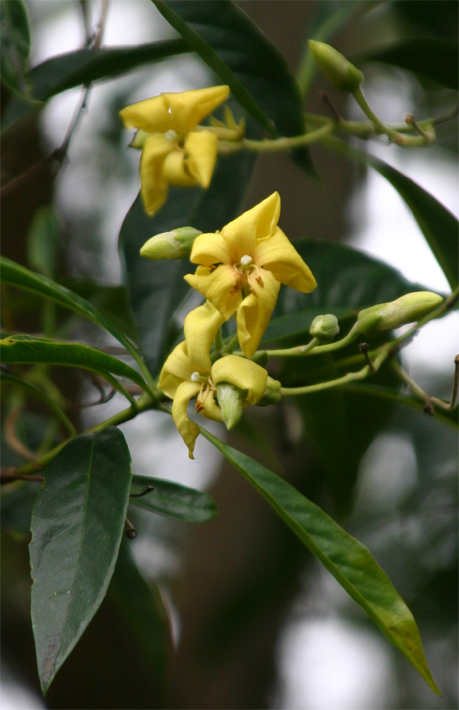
324,328
170,245
272,394
336,67
231,401
406,309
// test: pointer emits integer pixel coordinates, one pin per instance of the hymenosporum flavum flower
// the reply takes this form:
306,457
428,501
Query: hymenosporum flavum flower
242,267
183,378
174,153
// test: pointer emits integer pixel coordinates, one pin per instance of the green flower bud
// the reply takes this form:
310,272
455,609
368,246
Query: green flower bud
324,328
406,309
170,245
272,394
231,401
139,139
338,69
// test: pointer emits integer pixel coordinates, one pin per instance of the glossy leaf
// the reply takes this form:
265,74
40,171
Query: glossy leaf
77,525
428,57
347,559
436,222
26,350
14,45
157,288
241,56
174,500
8,378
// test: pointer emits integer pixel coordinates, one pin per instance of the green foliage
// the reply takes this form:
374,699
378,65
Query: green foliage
171,499
15,45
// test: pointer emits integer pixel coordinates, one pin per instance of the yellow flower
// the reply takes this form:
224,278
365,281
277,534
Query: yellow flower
188,372
242,267
173,152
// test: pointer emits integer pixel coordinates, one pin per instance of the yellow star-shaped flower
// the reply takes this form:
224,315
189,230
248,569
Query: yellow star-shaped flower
188,372
174,153
242,267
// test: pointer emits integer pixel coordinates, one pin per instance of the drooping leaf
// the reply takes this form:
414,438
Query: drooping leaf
14,45
428,57
157,288
77,524
174,500
437,223
26,350
238,52
347,559
84,66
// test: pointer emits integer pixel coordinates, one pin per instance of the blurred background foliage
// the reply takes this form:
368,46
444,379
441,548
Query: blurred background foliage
256,622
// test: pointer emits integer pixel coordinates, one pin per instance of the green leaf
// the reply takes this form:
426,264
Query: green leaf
428,57
77,525
174,500
17,275
14,45
347,281
43,241
7,378
26,350
347,559
157,288
238,52
437,223
85,66
142,607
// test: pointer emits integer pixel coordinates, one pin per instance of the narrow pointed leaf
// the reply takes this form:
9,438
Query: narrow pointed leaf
14,45
174,500
347,559
77,525
232,45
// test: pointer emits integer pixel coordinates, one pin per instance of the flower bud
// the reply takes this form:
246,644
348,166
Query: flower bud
338,69
406,309
324,328
272,393
139,139
170,245
231,402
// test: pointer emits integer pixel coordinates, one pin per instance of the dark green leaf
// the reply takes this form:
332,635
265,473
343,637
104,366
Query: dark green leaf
16,508
348,280
238,52
347,559
428,57
77,525
14,45
174,500
438,224
157,288
84,66
43,242
26,350
143,609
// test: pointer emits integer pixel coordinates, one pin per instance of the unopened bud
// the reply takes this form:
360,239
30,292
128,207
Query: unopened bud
231,402
139,139
272,393
336,67
324,328
170,245
406,309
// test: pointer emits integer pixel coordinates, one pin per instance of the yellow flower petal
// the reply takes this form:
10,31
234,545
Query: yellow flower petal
201,150
153,185
218,286
210,249
243,233
210,409
176,370
255,311
242,373
188,430
278,255
151,115
188,108
175,170
201,326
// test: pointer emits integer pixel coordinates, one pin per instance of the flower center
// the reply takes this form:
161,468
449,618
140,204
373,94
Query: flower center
246,260
247,270
206,388
170,135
